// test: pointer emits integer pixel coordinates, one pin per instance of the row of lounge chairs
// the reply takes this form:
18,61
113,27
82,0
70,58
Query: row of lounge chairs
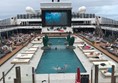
97,59
25,56
91,37
11,43
113,49
91,54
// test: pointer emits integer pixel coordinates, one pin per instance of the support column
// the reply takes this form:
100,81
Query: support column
112,76
18,74
91,76
96,73
114,79
33,75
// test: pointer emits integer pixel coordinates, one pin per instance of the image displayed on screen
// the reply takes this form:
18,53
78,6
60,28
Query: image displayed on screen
56,18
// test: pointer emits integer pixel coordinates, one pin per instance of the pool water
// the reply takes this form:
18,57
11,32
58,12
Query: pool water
59,59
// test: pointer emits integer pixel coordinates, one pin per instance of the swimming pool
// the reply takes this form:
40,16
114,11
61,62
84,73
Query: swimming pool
58,59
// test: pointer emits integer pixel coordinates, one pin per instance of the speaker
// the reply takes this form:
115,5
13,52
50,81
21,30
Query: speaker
85,79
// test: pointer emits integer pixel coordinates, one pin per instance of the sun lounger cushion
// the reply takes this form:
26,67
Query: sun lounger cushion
32,49
19,61
25,56
96,59
29,52
35,46
104,65
91,54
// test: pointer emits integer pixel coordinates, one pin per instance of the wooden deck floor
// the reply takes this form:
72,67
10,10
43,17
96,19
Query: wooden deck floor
97,46
9,55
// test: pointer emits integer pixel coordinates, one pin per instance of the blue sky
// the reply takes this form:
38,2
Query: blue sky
105,8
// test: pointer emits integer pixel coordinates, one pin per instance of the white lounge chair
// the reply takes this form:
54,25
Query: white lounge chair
25,56
86,50
108,74
90,50
92,54
33,49
37,41
80,44
104,64
78,41
29,52
20,61
96,59
35,46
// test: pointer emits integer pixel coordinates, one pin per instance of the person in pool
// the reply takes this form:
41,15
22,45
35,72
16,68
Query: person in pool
62,69
55,48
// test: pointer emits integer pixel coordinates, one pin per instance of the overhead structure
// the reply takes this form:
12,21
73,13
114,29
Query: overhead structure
82,9
30,10
56,14
98,30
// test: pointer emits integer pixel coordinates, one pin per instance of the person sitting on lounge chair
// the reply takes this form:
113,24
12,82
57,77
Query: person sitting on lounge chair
108,70
86,47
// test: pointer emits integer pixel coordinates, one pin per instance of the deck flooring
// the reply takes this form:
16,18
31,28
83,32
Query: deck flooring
9,55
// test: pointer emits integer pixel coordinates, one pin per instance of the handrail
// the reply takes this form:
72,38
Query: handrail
7,72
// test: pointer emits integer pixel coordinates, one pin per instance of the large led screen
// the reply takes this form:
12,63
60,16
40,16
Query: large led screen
56,18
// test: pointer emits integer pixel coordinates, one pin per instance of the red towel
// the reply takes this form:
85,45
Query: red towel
61,30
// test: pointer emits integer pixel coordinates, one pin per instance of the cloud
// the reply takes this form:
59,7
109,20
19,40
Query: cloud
10,8
109,11
105,8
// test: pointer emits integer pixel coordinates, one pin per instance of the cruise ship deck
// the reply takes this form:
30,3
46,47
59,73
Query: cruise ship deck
26,68
56,45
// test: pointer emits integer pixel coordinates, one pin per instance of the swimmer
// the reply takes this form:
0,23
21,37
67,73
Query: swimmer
55,48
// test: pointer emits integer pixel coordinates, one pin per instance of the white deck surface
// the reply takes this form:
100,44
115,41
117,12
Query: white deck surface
50,78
